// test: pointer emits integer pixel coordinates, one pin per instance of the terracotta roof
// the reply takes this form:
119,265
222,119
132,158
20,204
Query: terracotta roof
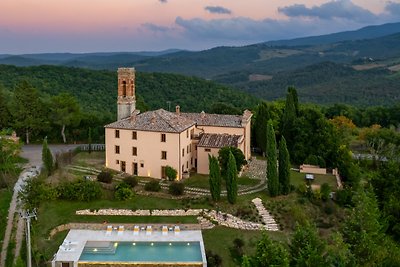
219,140
221,120
157,121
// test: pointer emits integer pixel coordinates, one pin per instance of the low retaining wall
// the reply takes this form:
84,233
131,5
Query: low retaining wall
111,264
312,169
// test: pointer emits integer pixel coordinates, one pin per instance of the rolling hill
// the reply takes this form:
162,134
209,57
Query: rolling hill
96,90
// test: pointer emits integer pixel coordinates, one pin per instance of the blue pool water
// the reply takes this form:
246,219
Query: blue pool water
144,252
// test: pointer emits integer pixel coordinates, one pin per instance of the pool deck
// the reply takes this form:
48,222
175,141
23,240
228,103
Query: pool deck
74,243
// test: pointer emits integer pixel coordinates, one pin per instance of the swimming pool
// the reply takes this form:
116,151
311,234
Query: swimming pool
163,252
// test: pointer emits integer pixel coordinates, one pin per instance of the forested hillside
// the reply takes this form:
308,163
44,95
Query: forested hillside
96,90
328,83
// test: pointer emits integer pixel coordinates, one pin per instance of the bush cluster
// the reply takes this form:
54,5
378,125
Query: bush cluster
131,181
105,177
153,186
213,260
81,190
123,191
176,189
171,173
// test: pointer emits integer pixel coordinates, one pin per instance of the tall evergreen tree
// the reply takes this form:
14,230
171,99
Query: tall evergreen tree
272,172
47,157
90,140
284,167
270,253
231,179
214,178
307,248
292,90
288,120
262,117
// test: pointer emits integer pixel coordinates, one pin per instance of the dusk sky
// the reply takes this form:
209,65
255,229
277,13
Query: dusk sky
35,26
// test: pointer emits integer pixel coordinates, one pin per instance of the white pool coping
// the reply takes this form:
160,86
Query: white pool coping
76,240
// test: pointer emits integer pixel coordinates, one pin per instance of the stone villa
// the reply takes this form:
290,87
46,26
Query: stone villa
145,143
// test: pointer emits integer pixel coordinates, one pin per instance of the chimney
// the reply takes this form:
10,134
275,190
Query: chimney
178,110
153,119
203,114
133,116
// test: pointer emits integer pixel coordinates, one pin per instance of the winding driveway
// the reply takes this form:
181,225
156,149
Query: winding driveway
34,154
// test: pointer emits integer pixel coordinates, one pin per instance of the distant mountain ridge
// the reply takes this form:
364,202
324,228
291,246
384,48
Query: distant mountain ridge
360,70
369,32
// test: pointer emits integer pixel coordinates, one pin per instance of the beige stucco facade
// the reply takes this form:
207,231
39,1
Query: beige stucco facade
144,143
151,152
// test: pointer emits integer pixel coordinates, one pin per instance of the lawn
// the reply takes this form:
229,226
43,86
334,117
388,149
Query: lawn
5,199
298,178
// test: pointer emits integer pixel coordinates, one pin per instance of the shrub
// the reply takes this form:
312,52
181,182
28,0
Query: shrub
325,191
131,181
153,186
81,190
105,177
171,173
176,189
35,191
123,191
213,260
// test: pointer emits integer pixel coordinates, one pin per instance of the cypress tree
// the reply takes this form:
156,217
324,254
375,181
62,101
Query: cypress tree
261,121
47,157
292,90
90,140
231,179
214,178
284,167
288,118
272,172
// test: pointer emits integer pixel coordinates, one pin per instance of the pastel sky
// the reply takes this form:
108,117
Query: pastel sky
33,26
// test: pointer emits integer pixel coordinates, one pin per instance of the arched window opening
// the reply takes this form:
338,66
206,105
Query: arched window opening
124,88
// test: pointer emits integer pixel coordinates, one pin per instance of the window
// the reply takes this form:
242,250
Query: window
207,150
116,133
163,138
190,148
141,165
116,149
117,161
134,151
183,167
163,154
134,135
187,133
187,164
183,152
187,149
195,147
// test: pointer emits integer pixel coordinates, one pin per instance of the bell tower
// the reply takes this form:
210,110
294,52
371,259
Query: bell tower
126,92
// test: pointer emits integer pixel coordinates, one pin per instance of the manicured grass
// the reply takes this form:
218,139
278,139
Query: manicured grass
219,240
5,199
298,178
201,181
